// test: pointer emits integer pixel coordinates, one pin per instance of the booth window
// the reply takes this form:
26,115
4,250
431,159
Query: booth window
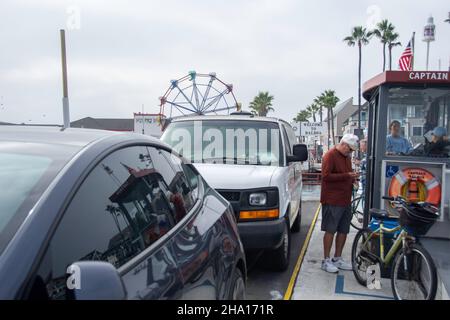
418,122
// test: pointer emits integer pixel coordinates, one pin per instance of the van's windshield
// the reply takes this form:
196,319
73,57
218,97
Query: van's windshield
226,141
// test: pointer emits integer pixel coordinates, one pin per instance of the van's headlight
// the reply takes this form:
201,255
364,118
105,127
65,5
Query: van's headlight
257,199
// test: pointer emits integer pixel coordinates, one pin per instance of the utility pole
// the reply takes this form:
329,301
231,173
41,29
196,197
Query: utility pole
66,113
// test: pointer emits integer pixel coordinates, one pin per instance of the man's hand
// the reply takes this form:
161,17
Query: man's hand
354,175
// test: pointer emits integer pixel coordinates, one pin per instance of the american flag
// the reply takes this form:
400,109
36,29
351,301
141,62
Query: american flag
405,62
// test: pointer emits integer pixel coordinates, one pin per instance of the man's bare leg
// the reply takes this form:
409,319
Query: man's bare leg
340,242
327,243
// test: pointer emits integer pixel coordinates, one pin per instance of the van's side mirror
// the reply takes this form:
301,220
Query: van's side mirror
299,153
95,280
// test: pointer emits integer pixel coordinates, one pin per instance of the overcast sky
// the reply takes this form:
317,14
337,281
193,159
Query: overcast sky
122,54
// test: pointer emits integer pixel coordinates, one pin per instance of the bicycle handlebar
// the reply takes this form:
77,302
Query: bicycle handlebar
400,201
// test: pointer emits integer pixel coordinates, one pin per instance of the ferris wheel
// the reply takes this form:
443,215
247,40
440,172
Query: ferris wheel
197,94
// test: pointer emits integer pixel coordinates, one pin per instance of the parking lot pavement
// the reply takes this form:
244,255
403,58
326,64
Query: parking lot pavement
264,284
315,284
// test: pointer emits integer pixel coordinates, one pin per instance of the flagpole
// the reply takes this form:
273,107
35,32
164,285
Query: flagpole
413,50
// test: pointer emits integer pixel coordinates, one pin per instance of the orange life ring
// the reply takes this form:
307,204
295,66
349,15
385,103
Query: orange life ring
416,184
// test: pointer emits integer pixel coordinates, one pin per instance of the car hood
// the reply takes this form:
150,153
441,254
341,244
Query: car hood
226,176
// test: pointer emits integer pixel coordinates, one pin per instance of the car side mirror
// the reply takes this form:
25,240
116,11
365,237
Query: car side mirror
95,280
299,153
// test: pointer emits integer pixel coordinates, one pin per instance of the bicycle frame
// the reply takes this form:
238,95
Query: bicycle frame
399,242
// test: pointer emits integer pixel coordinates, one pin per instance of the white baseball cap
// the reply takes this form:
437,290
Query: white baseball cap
351,140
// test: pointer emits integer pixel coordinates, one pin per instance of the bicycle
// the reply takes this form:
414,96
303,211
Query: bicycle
357,204
357,209
413,273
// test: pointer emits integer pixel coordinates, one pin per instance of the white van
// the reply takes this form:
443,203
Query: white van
254,163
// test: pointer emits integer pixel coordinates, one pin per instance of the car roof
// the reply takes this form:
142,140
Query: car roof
228,117
71,140
52,135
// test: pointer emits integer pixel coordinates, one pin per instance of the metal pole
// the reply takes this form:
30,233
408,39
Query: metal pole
66,113
143,120
413,50
428,53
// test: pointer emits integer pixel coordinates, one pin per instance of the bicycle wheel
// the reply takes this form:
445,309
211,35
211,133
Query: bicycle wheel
361,256
357,207
413,275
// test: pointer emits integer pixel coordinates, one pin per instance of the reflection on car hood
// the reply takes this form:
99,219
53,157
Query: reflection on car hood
225,176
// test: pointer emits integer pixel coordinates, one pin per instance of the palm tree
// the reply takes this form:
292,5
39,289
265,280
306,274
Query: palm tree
312,109
302,116
360,37
319,103
392,42
262,104
330,101
383,29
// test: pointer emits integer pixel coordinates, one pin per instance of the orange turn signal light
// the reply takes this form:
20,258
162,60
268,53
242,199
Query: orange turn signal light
259,214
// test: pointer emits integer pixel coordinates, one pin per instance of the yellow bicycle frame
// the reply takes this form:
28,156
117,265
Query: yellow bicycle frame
386,259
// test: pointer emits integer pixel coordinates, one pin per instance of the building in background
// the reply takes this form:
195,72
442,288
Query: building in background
351,124
112,124
346,119
341,113
144,123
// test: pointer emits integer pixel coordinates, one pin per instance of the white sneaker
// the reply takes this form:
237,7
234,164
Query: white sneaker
342,264
328,266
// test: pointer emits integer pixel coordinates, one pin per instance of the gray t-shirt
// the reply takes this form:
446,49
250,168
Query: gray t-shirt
397,145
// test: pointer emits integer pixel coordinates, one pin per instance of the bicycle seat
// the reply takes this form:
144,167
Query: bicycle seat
379,214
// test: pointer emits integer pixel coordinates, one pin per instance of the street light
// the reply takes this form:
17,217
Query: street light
428,36
448,20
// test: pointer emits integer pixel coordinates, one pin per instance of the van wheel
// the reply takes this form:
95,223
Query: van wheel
280,257
298,221
237,285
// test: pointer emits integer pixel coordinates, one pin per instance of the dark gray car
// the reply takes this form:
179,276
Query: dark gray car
90,214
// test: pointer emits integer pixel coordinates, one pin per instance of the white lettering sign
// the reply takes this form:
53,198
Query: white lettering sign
428,76
147,124
309,128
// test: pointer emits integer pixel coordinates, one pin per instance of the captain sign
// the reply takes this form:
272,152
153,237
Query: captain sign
428,75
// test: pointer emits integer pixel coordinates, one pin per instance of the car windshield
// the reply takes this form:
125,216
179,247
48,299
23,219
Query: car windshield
24,176
226,141
418,122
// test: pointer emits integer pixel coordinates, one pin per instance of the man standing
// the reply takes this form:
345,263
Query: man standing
336,193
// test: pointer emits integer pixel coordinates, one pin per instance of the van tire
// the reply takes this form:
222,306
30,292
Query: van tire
279,258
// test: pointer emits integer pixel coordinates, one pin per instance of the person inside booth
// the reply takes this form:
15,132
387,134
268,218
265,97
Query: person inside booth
395,143
439,145
418,122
